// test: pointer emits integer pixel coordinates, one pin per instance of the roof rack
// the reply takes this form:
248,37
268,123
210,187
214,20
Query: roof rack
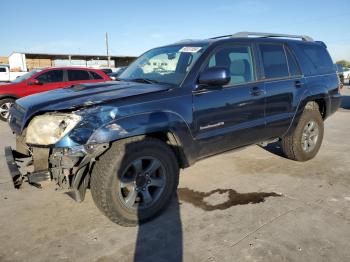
184,40
247,34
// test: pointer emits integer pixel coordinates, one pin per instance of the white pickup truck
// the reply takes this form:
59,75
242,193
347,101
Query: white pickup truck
6,75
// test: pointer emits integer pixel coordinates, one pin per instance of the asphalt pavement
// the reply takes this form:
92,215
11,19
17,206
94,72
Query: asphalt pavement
248,205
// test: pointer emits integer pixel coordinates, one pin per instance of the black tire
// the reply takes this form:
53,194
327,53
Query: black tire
292,144
106,184
4,103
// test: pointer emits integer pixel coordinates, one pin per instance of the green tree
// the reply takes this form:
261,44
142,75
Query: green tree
344,63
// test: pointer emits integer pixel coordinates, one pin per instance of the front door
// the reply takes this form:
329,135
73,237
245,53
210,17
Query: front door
231,115
47,80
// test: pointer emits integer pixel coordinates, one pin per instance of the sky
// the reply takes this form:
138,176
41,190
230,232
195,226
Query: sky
79,26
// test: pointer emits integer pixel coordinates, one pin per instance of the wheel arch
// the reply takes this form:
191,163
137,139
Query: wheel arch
319,102
5,96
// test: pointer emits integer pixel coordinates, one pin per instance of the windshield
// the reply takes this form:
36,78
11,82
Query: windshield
26,76
167,65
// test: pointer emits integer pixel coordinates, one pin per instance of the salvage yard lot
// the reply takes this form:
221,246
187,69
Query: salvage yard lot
248,205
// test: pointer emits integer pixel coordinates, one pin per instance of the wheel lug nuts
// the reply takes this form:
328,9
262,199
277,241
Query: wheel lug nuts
143,189
149,182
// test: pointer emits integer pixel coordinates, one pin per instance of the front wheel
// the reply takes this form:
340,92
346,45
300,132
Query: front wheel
134,180
304,143
5,105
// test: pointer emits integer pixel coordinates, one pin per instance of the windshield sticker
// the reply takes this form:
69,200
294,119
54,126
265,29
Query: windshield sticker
190,49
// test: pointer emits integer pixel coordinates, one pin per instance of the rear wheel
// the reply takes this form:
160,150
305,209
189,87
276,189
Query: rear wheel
134,180
5,105
304,143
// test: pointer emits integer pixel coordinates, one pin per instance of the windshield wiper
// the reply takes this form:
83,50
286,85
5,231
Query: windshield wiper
144,80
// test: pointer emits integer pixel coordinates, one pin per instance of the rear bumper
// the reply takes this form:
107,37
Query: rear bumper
335,103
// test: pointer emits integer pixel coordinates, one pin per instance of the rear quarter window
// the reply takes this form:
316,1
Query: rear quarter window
95,75
318,58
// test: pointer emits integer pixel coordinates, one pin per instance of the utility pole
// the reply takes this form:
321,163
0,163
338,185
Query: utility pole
108,58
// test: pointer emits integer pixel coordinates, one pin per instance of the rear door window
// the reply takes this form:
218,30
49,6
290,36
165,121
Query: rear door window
76,75
274,61
293,66
52,76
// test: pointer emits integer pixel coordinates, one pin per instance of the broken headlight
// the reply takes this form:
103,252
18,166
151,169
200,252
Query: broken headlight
49,129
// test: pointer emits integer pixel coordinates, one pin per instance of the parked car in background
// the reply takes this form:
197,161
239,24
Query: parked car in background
40,80
208,97
340,72
346,72
6,75
115,75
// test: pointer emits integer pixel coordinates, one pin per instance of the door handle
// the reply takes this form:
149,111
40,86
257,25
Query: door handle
298,84
256,91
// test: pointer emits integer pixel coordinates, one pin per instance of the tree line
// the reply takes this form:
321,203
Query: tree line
344,63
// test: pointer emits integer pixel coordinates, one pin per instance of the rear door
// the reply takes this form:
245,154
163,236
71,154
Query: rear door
282,80
231,115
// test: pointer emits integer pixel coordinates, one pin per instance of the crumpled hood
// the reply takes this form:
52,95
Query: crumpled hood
84,95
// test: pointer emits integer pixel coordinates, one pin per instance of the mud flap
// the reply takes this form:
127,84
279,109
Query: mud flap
80,183
81,178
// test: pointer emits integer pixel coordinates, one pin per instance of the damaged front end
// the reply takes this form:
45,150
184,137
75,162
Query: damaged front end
68,167
54,147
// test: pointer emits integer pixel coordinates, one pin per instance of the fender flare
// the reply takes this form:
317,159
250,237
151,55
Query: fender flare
4,96
308,96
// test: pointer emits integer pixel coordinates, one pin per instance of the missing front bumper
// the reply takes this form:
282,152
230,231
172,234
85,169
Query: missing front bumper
16,175
34,178
69,167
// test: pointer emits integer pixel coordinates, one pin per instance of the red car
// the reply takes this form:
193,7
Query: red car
38,81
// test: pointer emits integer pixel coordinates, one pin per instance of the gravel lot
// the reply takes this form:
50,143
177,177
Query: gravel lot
248,205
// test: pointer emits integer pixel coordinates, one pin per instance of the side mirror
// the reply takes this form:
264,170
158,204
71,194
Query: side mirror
214,76
34,82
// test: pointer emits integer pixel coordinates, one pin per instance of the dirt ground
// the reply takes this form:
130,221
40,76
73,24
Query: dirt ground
248,205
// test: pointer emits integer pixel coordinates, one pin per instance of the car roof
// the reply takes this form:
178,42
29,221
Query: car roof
241,39
252,37
71,67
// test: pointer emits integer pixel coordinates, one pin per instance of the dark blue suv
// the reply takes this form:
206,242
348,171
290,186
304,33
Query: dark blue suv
176,104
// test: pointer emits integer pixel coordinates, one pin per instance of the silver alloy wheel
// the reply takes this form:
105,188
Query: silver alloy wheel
4,109
142,183
309,136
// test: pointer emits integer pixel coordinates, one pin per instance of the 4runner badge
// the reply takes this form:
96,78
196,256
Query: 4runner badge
211,126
